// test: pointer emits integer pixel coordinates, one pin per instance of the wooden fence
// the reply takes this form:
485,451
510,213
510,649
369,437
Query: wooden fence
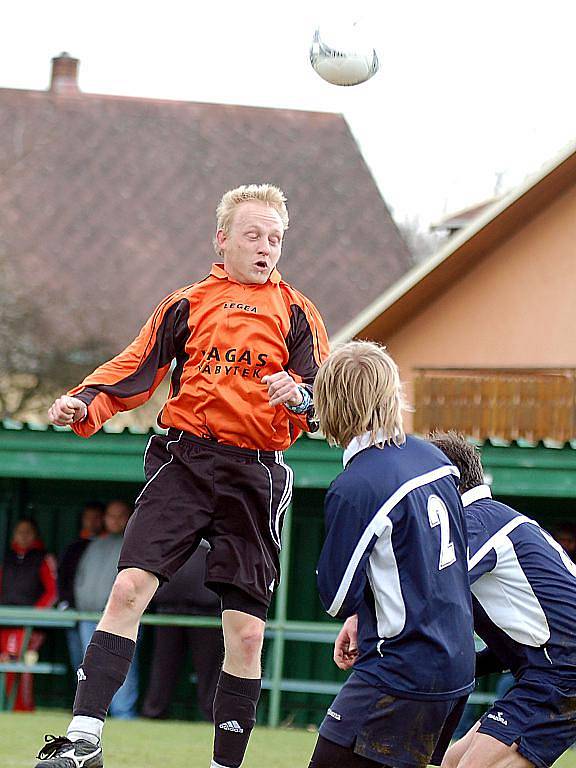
511,404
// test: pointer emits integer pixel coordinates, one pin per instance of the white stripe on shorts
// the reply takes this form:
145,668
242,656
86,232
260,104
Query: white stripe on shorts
155,475
286,497
270,497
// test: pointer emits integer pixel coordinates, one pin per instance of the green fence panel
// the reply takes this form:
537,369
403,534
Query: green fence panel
51,474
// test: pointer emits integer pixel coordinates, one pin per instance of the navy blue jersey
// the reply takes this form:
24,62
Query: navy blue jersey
395,554
524,588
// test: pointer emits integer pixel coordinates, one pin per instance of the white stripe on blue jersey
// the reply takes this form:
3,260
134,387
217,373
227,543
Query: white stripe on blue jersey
379,523
384,579
395,554
524,583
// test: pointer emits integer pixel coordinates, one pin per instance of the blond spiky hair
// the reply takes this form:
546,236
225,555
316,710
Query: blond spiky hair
358,390
265,193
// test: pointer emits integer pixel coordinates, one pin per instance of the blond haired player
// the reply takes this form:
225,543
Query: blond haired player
393,567
243,348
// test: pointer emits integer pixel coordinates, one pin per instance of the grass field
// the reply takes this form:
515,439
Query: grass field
145,743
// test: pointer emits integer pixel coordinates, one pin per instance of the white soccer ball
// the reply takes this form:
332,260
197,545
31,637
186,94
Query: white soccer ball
343,58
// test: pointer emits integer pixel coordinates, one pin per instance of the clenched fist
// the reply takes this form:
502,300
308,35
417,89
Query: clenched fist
282,389
67,410
346,644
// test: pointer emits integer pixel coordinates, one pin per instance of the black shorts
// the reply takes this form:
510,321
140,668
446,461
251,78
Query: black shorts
539,714
233,497
399,733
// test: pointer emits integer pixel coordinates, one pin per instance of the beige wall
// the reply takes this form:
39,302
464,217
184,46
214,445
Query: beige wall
517,307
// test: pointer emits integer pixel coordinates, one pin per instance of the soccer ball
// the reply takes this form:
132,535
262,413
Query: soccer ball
346,61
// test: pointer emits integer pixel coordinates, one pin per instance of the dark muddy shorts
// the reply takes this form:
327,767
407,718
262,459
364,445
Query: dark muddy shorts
398,733
235,498
539,714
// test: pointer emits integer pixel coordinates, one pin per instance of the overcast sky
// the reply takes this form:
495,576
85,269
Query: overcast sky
466,90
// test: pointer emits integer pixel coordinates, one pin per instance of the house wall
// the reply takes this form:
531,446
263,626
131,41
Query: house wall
516,308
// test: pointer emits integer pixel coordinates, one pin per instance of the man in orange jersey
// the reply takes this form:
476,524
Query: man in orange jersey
246,348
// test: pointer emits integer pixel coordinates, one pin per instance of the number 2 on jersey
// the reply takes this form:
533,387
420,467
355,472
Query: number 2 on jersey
438,515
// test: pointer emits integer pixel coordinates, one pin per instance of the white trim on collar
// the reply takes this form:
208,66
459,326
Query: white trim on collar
360,443
479,492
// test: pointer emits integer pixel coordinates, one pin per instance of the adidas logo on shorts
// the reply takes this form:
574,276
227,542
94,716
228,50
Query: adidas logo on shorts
232,725
80,675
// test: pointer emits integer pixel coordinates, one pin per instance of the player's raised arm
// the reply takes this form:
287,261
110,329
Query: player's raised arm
130,378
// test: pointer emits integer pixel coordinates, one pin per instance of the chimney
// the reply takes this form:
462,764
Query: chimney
64,80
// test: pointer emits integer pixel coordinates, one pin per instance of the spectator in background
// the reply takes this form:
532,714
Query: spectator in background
27,577
185,593
565,535
92,525
94,579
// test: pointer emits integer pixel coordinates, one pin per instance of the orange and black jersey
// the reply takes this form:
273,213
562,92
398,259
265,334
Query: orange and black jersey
221,337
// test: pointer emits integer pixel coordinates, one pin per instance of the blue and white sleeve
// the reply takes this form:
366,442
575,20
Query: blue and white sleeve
481,556
342,563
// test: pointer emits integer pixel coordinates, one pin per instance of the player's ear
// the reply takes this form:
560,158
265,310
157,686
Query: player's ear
221,237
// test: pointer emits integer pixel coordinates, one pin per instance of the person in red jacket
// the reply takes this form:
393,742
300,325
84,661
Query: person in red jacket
27,577
242,347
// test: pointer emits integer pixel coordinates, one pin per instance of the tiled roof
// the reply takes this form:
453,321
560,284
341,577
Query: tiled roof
107,203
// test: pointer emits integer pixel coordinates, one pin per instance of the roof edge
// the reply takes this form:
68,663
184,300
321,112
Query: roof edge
414,276
89,95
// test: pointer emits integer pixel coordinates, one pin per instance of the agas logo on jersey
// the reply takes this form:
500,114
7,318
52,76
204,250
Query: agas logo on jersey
233,362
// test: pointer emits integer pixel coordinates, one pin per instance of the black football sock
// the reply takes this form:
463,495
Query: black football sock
104,669
234,718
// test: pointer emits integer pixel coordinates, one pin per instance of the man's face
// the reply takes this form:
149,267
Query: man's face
24,535
116,517
567,542
253,245
92,521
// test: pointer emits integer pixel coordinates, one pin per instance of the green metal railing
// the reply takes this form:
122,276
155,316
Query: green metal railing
279,630
30,456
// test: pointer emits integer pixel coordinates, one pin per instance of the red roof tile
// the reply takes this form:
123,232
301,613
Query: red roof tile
110,201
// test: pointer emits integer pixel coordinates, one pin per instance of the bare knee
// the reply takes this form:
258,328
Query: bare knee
248,643
243,639
131,593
